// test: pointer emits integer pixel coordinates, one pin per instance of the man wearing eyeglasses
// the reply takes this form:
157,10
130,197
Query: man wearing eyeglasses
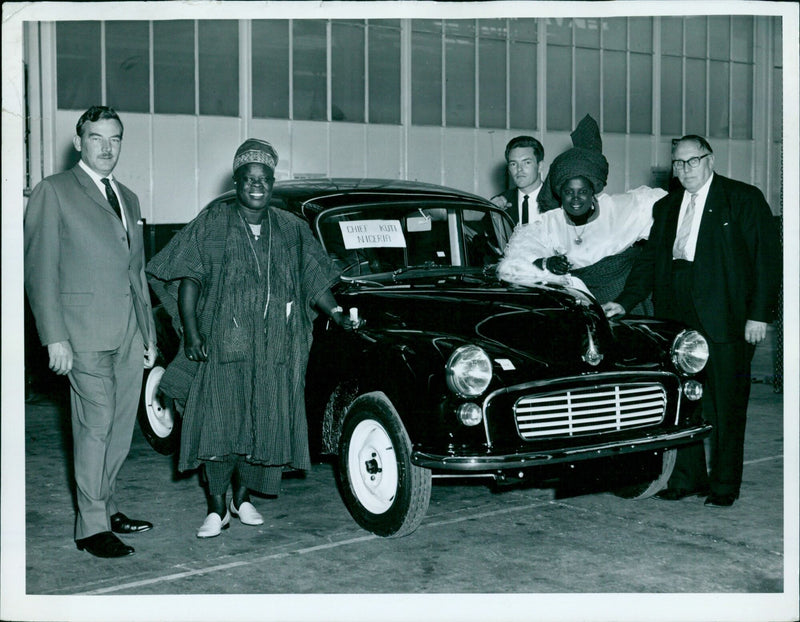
712,261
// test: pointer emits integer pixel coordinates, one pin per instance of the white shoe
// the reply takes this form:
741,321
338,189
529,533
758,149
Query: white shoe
213,525
247,513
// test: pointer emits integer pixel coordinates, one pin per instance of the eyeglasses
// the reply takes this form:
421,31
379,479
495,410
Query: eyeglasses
694,162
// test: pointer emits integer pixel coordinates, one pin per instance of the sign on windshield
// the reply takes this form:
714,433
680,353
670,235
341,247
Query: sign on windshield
372,234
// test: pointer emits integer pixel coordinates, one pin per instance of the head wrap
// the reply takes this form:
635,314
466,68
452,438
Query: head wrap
584,159
255,150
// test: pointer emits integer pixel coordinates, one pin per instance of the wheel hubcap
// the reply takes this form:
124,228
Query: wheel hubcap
372,466
158,416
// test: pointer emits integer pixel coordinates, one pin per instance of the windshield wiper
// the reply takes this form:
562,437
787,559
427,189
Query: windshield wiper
430,266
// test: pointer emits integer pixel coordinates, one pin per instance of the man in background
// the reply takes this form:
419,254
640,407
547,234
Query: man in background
524,155
84,276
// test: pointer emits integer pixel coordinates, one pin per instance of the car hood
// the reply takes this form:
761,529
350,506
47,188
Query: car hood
553,328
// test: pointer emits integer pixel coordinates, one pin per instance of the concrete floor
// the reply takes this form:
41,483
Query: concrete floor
473,542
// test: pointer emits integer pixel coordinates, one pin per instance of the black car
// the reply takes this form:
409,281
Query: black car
456,373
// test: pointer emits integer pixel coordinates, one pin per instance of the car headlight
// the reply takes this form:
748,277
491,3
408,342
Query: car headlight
469,371
690,352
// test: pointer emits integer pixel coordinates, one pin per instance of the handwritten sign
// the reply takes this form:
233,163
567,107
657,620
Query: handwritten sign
372,234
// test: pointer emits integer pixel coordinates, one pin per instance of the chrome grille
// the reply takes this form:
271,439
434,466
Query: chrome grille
596,409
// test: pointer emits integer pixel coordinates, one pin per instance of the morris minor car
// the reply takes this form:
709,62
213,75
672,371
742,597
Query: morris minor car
458,374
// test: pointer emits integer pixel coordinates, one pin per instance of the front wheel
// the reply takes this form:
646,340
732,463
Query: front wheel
383,491
157,417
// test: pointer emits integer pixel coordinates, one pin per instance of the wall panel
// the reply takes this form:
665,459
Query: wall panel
276,132
218,139
384,149
175,169
309,148
739,161
459,162
614,148
425,154
491,161
347,153
639,162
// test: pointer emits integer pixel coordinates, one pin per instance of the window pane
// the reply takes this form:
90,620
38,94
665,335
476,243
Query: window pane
777,105
559,31
219,67
78,65
559,88
173,67
719,37
492,80
460,81
641,97
523,29
310,96
671,97
672,35
459,28
696,36
384,71
742,108
270,58
587,83
641,34
718,100
615,33
128,66
696,97
492,29
614,90
777,41
742,48
347,72
523,104
426,76
587,32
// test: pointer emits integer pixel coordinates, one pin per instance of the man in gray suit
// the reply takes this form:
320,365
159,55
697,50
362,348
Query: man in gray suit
84,275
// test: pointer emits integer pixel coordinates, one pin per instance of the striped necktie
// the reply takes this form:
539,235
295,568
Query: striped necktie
685,230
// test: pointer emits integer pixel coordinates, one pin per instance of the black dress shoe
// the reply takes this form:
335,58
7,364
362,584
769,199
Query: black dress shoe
676,494
122,524
721,501
104,544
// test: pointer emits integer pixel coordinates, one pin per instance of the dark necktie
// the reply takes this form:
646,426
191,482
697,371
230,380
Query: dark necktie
524,210
112,197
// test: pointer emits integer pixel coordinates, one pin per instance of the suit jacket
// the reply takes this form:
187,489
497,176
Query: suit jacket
737,263
82,272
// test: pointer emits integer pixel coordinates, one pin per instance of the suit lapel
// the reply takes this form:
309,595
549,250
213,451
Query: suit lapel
715,200
674,210
91,189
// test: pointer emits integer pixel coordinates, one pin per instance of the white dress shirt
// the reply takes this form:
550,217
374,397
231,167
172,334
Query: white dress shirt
101,186
699,205
534,215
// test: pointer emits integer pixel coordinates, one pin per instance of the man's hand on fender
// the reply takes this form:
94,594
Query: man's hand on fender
60,354
613,309
501,202
150,353
755,332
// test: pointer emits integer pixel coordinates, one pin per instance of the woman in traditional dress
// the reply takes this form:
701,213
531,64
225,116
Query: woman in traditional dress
591,242
244,282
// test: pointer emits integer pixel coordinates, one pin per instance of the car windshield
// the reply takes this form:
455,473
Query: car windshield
391,237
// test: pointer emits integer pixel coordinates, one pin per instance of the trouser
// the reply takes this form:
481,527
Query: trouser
105,388
725,397
260,478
